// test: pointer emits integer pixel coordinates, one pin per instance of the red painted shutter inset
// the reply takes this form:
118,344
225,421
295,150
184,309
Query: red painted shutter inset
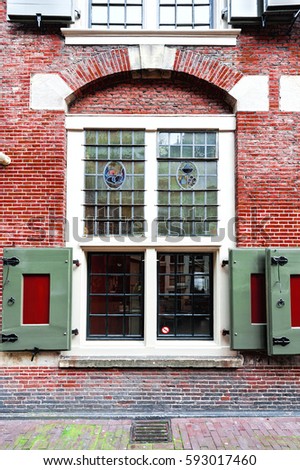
36,299
258,299
295,300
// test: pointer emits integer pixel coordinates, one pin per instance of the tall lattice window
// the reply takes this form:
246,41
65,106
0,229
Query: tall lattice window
185,298
114,182
187,183
115,296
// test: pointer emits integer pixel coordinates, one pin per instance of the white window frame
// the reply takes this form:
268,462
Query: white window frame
151,13
221,34
150,346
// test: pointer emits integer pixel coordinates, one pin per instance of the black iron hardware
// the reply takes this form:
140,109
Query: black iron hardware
76,262
75,332
225,332
34,353
14,261
11,301
279,260
280,303
281,341
12,338
225,262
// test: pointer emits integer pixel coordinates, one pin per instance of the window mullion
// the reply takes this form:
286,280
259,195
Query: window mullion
150,15
150,181
150,296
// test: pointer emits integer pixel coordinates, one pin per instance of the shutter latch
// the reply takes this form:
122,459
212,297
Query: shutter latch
283,341
279,260
8,338
11,261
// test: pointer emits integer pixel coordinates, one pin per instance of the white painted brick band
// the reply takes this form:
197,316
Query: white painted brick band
251,93
290,93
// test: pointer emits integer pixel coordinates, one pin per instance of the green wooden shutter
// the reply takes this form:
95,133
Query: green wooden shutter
283,301
247,299
36,299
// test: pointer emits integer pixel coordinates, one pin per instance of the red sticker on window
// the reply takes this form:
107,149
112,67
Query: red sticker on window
165,330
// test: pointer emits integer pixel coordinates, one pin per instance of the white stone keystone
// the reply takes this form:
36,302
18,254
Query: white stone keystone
149,56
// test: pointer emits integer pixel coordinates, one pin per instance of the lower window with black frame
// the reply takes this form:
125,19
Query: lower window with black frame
115,296
185,297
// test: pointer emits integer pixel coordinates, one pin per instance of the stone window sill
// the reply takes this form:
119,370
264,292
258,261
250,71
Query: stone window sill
213,37
67,362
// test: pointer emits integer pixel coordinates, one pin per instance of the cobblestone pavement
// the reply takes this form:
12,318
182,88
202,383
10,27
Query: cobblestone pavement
187,433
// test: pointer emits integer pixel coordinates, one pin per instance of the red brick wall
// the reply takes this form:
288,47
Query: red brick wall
120,392
170,96
268,175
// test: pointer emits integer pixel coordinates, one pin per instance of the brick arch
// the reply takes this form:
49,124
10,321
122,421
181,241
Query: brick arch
124,60
206,68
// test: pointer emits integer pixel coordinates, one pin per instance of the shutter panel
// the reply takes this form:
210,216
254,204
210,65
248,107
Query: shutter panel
36,299
283,306
248,299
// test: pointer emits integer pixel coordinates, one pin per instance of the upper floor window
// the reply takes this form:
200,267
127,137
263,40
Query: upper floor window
151,14
116,14
190,14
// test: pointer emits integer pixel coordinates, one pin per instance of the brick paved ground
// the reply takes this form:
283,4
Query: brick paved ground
187,433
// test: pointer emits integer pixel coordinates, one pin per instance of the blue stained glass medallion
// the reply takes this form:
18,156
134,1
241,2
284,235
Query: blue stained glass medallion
114,174
187,175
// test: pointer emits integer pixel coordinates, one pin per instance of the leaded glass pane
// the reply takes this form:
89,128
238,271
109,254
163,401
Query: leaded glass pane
115,182
90,138
176,198
91,153
187,138
138,197
101,197
187,151
187,174
212,197
139,137
115,137
211,152
102,137
127,138
90,182
163,198
90,167
199,151
211,138
163,151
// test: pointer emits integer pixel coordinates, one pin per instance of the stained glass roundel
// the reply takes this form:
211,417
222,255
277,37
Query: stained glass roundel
114,174
187,175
